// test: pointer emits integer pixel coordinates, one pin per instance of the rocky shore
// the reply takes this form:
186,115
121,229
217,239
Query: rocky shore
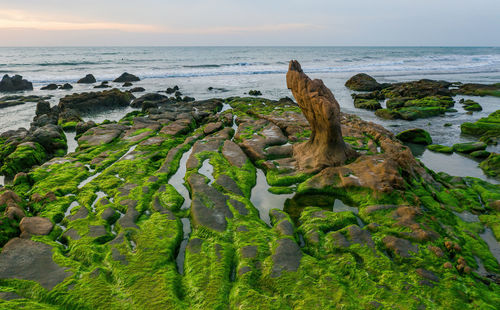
157,210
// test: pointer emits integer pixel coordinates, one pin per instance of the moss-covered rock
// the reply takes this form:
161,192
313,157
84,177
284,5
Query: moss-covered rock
469,147
23,158
415,135
491,165
367,104
486,127
440,148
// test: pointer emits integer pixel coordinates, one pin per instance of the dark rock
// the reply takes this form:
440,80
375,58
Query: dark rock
88,79
80,214
363,82
42,107
117,256
108,214
96,231
209,208
228,184
51,137
286,257
127,84
325,146
49,87
194,245
172,90
66,86
151,97
15,83
137,90
367,104
90,102
255,92
239,206
249,251
102,85
128,220
28,260
188,99
82,127
126,77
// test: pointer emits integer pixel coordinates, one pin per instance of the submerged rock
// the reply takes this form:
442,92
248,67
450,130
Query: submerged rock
325,146
50,87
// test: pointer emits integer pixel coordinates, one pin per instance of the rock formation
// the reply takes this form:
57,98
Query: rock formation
15,83
325,146
88,79
126,77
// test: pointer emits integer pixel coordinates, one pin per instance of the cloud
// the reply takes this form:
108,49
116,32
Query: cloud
17,19
21,19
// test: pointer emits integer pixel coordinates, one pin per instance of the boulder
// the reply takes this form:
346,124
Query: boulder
42,107
82,127
127,84
126,77
35,226
151,97
363,82
88,79
415,135
367,104
15,83
325,146
51,137
254,92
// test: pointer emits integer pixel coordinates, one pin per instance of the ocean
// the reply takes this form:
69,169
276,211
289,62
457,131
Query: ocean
233,71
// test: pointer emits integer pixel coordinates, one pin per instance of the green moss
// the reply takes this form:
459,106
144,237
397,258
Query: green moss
23,158
368,104
469,147
491,165
440,148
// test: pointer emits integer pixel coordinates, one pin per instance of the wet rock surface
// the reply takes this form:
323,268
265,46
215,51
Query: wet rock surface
378,225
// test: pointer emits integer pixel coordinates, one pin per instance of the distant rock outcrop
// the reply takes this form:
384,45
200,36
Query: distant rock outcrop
325,146
126,77
88,79
15,83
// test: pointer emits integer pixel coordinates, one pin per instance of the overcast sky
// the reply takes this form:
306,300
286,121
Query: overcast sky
250,22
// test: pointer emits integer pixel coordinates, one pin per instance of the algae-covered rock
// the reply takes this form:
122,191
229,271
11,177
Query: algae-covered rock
416,135
469,147
491,165
23,158
368,104
471,105
473,89
487,127
440,148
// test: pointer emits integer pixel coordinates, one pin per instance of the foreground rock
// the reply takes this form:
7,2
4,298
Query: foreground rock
15,83
29,260
325,146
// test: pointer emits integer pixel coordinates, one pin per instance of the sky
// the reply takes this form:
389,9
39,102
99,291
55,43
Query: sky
250,23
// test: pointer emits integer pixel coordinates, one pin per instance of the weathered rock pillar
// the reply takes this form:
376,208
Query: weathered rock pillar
325,147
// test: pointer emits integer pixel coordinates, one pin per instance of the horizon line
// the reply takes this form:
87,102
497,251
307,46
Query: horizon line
140,45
